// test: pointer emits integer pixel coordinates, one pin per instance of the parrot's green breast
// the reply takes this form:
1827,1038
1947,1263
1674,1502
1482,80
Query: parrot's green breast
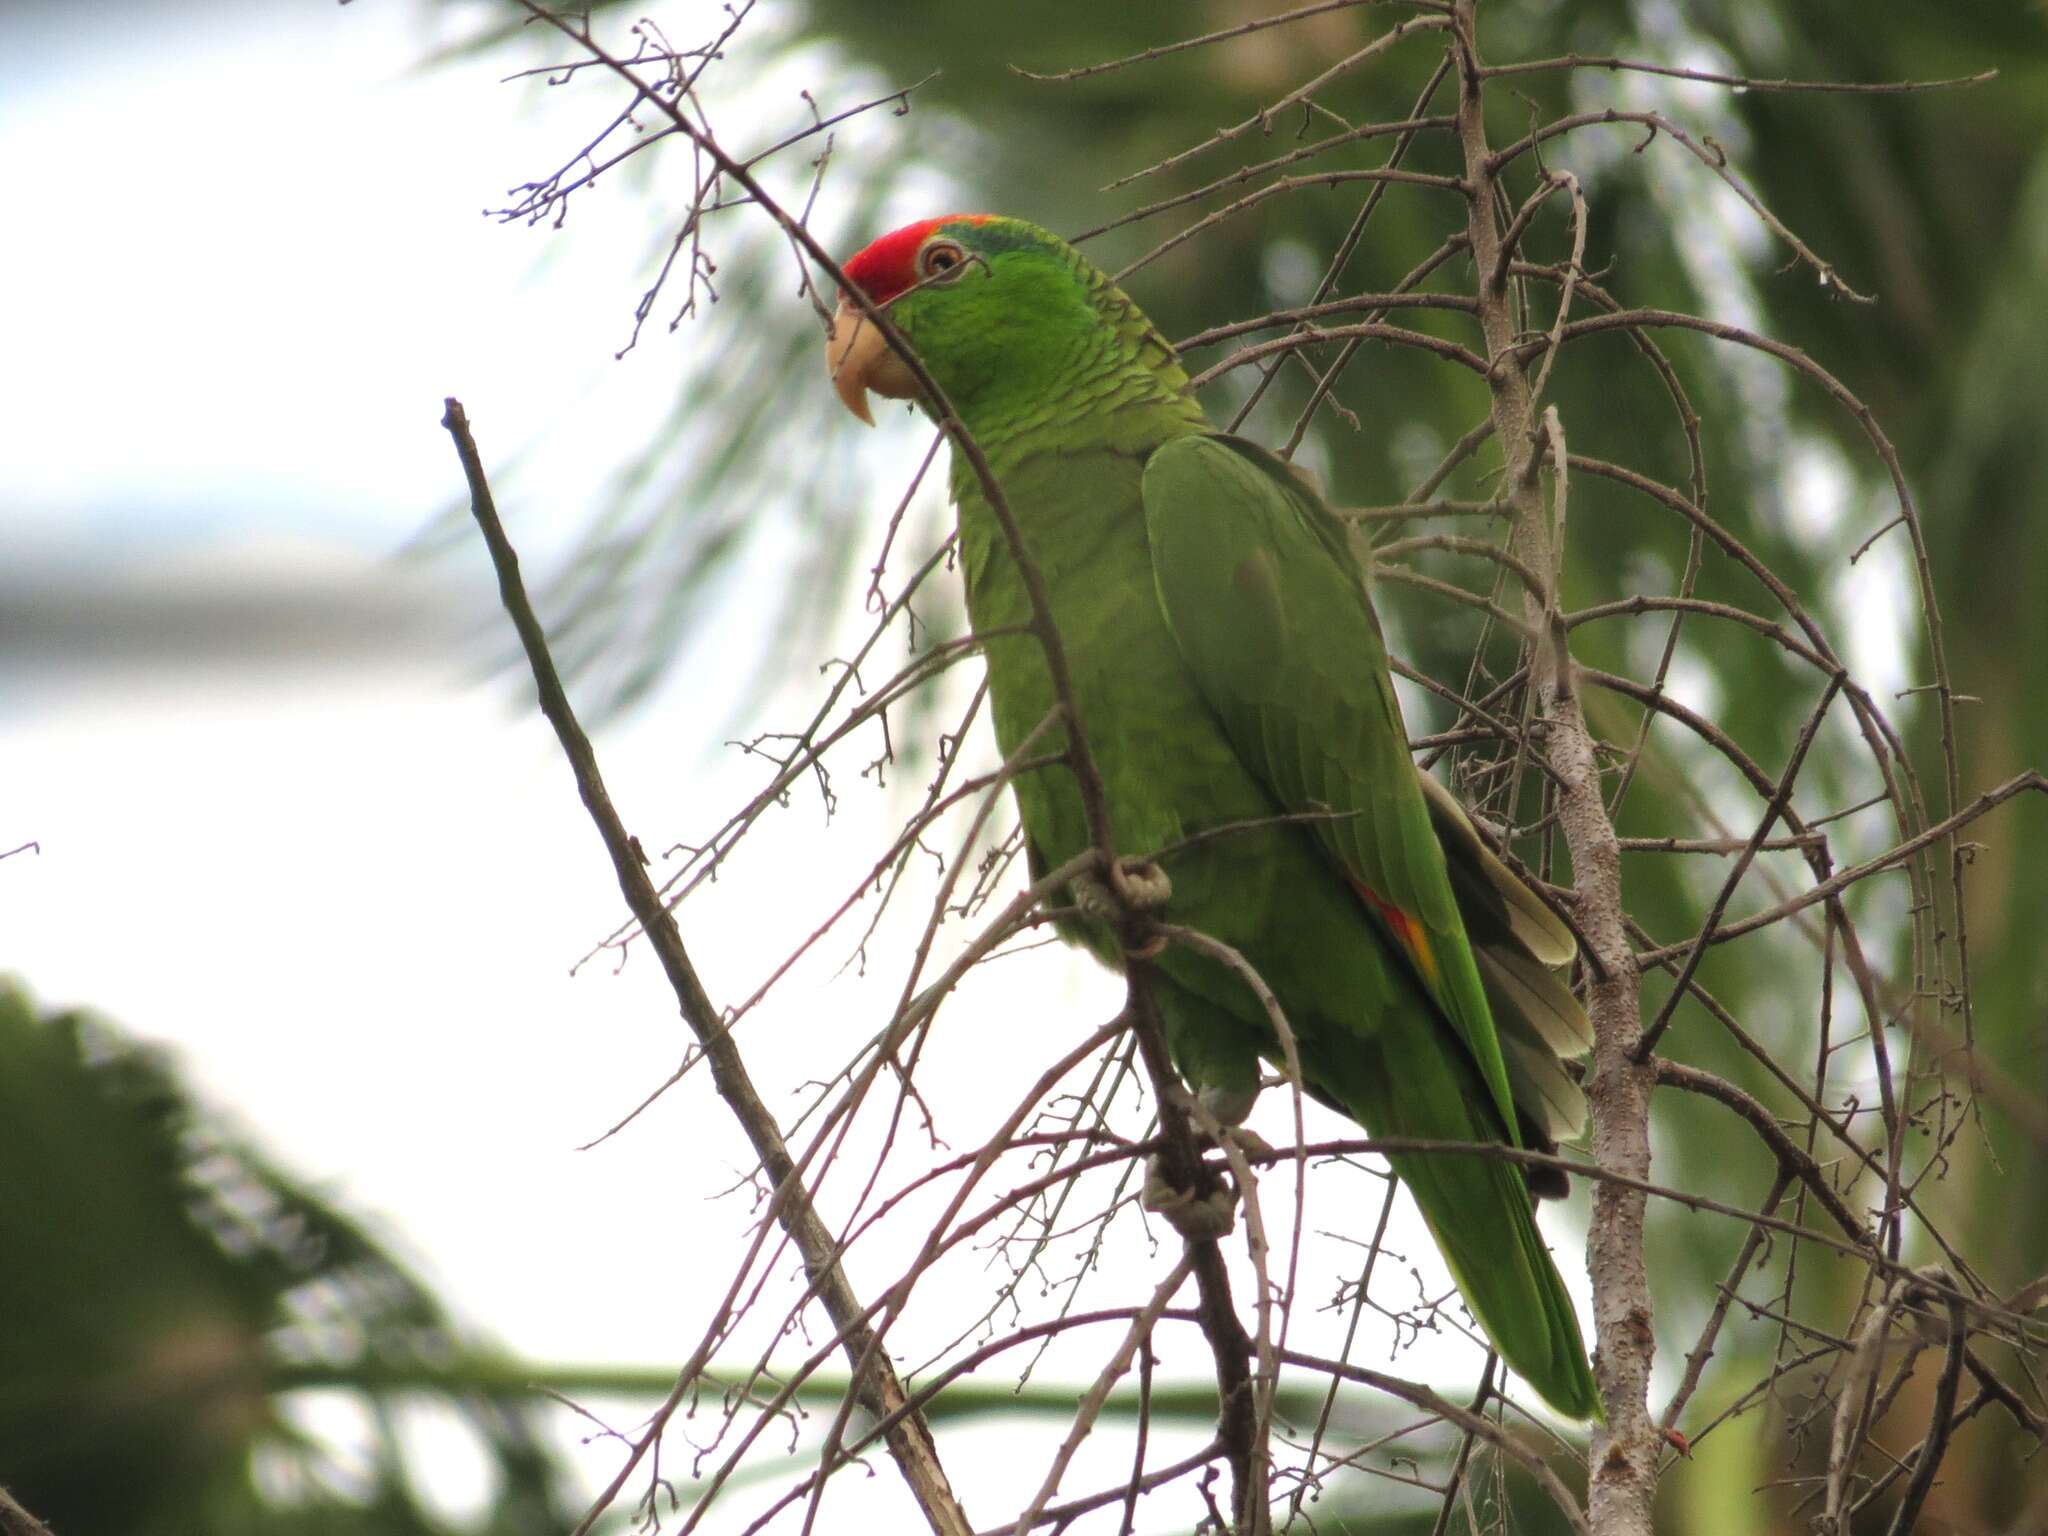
1168,768
1164,772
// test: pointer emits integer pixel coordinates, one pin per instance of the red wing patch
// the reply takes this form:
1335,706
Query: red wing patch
1407,931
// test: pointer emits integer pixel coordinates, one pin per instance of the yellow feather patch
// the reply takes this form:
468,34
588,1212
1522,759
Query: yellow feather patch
1407,931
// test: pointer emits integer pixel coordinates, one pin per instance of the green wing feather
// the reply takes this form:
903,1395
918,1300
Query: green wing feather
1268,607
1517,941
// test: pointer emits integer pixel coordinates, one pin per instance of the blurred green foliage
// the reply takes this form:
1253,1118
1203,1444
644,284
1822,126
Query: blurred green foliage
172,1305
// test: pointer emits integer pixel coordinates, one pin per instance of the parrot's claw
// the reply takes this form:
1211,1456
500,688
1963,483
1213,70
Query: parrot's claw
1142,884
1197,1215
1093,898
1251,1143
1134,886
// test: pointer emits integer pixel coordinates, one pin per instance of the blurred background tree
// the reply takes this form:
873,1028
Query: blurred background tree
188,1328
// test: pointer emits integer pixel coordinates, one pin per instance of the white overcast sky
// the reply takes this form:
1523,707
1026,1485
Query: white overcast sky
338,875
338,871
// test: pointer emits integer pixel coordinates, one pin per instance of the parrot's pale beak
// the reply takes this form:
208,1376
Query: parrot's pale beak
860,359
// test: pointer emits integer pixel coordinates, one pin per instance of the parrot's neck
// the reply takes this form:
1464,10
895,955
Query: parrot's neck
1114,384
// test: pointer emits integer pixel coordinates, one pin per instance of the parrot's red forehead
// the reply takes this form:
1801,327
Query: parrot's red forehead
889,265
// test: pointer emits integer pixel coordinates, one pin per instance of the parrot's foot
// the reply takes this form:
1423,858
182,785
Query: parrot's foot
1250,1143
1093,898
1136,886
1230,1106
1142,884
1204,1214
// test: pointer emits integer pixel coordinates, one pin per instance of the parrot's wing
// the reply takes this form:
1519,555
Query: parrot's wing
1520,910
1268,605
1517,941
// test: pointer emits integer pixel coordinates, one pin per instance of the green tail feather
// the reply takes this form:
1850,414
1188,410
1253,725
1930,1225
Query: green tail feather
1477,1207
1478,1210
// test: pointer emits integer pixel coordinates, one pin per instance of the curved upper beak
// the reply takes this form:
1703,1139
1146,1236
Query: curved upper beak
850,348
860,359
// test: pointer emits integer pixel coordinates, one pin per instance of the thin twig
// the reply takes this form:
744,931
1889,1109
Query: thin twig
1223,35
1940,1423
1740,82
1772,811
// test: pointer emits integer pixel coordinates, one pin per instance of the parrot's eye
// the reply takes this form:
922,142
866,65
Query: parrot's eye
939,258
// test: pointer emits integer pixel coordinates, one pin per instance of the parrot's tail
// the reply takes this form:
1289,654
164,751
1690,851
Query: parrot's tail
1478,1209
1405,1084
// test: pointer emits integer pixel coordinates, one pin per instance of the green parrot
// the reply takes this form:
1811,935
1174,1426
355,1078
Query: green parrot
1230,673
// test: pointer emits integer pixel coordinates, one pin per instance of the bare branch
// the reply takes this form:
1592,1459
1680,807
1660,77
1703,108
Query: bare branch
1224,35
1613,63
911,1442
